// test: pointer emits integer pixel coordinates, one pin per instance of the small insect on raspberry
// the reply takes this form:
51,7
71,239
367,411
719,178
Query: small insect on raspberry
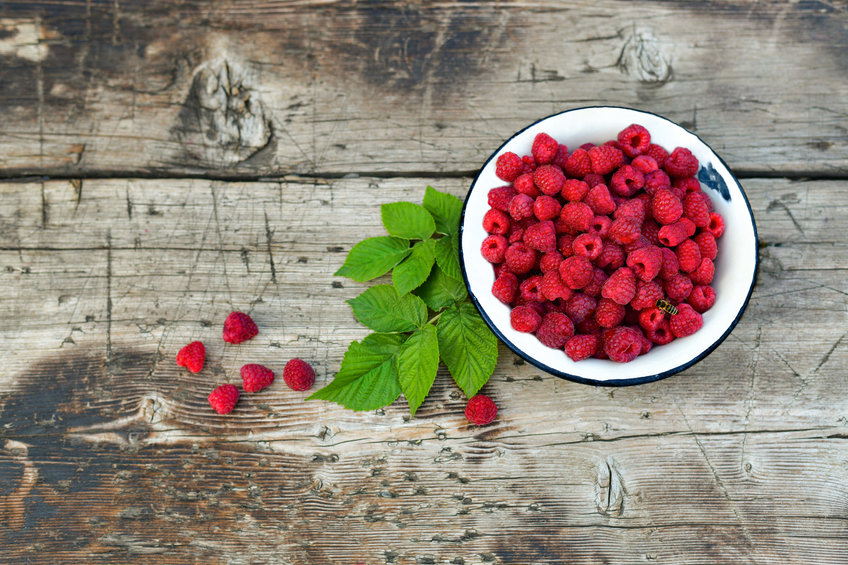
666,306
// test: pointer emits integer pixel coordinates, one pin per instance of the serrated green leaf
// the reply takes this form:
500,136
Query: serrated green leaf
407,220
368,377
383,310
467,346
412,272
440,291
446,210
418,362
447,256
373,257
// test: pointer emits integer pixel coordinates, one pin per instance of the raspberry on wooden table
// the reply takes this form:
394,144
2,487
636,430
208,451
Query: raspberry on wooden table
223,399
298,375
481,410
255,377
239,327
192,356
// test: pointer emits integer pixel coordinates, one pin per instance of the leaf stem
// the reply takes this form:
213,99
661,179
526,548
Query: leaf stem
436,317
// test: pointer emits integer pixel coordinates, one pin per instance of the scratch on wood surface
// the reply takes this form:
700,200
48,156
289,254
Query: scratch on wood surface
268,235
750,399
774,204
109,302
77,186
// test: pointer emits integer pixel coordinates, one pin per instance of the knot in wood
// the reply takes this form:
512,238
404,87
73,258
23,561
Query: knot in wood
642,57
609,490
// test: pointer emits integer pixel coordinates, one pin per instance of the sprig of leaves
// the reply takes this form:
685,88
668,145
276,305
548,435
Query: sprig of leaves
422,317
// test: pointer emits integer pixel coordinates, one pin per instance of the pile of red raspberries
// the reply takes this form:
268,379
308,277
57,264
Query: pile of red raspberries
605,251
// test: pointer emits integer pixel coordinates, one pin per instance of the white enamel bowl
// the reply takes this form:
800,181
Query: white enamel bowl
735,268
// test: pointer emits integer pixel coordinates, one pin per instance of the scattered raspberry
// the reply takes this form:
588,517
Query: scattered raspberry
298,375
605,159
622,344
681,163
530,289
627,180
524,185
574,190
609,313
525,319
578,164
481,410
686,322
192,356
239,327
508,166
519,258
716,225
599,200
494,248
580,307
546,207
577,216
696,209
556,329
688,256
255,377
520,207
224,398
549,179
576,272
529,163
702,298
704,273
544,149
496,222
634,140
505,287
621,286
500,197
581,347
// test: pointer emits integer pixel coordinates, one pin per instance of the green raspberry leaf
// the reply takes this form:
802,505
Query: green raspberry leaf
368,377
445,208
373,257
407,220
440,291
418,362
468,347
447,256
383,310
410,274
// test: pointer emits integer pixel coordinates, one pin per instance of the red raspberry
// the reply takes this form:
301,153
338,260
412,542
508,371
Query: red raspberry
519,258
621,286
580,307
298,375
577,216
578,164
556,329
574,190
688,184
601,226
666,208
541,236
639,243
505,287
590,326
673,235
520,207
581,347
546,207
565,244
622,344
544,149
481,410
599,200
647,294
561,156
647,344
651,231
646,262
256,377
557,305
599,277
524,185
706,244
656,180
587,146
500,197
613,143
704,273
224,398
192,356
496,222
550,261
609,313
645,164
549,179
525,319
594,180
516,232
624,230
529,163
494,248
588,245
508,166
576,272
669,266
633,208
681,163
702,298
688,225
651,318
611,256
605,159
688,256
500,269
530,289
696,209
239,327
627,180
553,288
658,153
686,322
678,287
661,334
634,140
716,225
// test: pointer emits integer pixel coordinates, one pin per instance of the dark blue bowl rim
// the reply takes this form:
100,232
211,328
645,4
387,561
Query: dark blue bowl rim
612,382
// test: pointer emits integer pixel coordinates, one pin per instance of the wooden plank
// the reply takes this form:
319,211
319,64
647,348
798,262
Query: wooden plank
246,89
109,452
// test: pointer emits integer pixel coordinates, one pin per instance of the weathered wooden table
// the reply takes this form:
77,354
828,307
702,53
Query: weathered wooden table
164,163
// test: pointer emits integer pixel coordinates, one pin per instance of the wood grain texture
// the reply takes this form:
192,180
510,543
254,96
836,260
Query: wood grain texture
250,89
109,452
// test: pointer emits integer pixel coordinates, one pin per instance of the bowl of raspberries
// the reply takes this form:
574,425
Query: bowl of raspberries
608,246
